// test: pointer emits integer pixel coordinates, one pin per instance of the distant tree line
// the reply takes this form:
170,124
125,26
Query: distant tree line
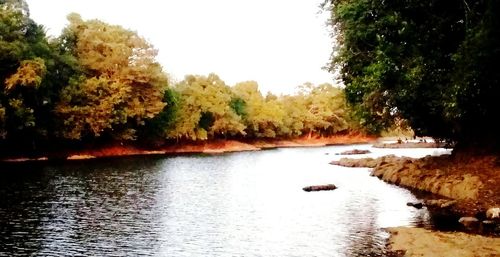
434,63
98,83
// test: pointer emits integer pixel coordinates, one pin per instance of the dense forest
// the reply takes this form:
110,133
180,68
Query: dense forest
432,63
99,84
429,64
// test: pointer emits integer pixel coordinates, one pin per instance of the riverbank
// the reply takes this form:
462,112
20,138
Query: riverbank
469,186
216,146
413,242
472,181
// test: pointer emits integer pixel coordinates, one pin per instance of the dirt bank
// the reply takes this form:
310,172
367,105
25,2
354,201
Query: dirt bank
472,181
208,147
421,242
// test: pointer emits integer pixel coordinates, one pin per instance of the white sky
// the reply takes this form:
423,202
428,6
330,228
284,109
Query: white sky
278,43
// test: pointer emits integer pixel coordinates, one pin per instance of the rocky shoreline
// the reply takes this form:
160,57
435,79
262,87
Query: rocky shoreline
468,185
472,182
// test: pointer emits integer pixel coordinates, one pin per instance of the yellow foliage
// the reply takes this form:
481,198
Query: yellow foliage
205,94
29,74
264,118
123,81
100,96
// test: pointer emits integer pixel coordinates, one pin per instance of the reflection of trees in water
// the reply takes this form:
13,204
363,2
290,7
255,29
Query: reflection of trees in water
82,207
108,204
249,203
21,202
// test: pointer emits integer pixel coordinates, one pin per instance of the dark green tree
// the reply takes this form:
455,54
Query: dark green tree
430,62
31,73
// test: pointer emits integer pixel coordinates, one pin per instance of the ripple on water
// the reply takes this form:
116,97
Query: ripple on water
241,204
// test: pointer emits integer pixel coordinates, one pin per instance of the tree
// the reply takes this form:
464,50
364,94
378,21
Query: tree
156,130
205,109
326,104
120,86
26,95
429,62
263,118
315,109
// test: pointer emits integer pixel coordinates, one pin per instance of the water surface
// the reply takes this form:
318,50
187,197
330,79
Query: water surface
240,204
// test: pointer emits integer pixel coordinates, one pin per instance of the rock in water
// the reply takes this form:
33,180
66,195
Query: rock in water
320,188
469,222
355,151
440,203
493,213
416,205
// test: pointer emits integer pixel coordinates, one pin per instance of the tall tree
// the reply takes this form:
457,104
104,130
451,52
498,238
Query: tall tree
29,76
429,62
120,87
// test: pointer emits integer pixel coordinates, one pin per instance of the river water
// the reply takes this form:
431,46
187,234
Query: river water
238,204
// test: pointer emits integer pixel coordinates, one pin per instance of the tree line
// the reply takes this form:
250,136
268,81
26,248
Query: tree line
100,83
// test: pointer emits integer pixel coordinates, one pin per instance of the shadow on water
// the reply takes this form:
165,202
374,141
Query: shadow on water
241,204
66,207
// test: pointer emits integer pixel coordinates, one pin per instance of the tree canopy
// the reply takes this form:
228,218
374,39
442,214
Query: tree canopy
99,83
120,85
432,63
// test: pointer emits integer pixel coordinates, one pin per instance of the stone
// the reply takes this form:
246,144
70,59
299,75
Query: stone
490,226
355,151
440,203
493,213
416,205
319,188
469,222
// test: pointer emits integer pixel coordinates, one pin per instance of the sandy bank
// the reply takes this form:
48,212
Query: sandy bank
421,242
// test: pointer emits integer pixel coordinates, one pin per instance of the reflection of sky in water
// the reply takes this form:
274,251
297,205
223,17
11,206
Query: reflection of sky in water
242,204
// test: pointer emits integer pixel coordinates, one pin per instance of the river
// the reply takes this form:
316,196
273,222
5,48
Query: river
238,204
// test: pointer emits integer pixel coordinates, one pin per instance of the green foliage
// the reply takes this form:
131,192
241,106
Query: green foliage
26,94
156,129
316,109
206,121
238,105
430,62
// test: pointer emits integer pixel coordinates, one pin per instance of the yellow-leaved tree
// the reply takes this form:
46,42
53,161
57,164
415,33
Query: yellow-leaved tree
120,86
205,109
263,118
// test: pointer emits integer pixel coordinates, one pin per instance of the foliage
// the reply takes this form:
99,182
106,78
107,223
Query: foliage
263,118
26,59
122,85
156,129
205,109
99,83
320,109
238,105
430,62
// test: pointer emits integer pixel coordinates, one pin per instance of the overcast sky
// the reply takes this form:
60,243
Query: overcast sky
278,43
